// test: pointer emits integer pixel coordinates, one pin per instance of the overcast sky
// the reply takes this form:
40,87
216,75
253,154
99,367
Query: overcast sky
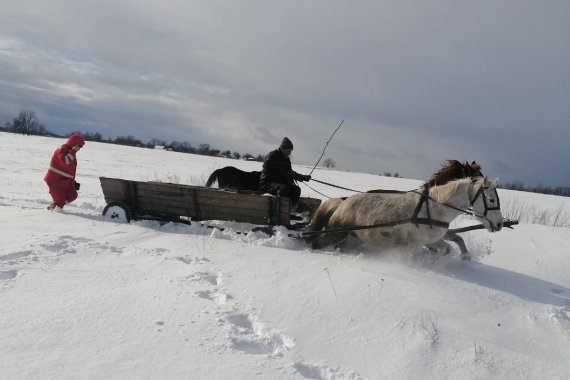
417,82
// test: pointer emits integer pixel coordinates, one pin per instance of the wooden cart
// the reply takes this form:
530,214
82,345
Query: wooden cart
178,203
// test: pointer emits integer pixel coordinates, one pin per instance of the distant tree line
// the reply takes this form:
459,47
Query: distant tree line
563,191
27,123
174,146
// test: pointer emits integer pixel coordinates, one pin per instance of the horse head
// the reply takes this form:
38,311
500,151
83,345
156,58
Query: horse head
485,202
472,169
452,170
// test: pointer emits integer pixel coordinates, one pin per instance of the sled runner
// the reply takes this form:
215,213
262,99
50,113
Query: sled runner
129,200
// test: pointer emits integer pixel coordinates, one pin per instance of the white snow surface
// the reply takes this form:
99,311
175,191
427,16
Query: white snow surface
83,297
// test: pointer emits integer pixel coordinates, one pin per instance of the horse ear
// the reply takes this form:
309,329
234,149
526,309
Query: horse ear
496,181
473,163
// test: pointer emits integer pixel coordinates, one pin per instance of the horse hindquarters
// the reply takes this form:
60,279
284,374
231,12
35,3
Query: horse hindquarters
320,221
323,213
213,177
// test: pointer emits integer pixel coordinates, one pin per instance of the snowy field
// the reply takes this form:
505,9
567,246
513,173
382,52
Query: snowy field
82,297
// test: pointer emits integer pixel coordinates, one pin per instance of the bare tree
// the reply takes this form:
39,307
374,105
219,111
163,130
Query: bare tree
329,163
26,123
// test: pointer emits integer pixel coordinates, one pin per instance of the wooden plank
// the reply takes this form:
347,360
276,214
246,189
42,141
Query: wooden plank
203,193
173,215
255,204
113,189
208,211
157,203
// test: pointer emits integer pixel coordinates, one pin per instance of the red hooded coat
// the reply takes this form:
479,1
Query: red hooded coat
61,172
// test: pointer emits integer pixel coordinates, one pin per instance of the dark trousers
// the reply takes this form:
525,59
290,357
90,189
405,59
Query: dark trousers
291,191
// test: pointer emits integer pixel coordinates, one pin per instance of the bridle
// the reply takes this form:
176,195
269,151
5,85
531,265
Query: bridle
486,201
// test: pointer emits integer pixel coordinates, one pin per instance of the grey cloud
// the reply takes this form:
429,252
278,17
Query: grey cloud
417,82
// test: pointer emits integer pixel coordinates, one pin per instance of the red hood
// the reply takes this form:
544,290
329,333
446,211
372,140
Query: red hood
75,140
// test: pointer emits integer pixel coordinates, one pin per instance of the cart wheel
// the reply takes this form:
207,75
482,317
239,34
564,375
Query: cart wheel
117,211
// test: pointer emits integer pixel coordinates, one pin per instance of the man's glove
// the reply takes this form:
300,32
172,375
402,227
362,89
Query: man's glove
77,185
305,178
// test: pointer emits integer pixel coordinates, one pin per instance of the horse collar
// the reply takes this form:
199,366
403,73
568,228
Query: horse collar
424,197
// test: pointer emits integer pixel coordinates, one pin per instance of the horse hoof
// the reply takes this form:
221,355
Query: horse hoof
466,256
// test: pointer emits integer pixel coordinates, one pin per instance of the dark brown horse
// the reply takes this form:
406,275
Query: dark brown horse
452,170
234,179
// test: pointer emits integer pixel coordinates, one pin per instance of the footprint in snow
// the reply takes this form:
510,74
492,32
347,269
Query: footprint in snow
15,255
321,372
562,316
70,244
207,277
192,260
8,274
218,297
247,334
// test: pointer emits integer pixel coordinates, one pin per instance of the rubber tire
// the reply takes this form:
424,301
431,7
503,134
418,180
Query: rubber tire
117,211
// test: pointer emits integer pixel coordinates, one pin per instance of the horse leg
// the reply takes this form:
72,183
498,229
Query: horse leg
327,240
460,243
440,246
350,242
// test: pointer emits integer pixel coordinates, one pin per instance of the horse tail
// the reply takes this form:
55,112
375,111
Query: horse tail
213,177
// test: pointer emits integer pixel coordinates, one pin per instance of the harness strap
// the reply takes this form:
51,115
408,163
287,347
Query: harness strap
417,221
423,199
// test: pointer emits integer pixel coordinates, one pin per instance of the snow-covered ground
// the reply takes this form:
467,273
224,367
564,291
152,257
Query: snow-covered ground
85,297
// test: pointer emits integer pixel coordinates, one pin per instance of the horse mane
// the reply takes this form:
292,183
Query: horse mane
452,170
442,193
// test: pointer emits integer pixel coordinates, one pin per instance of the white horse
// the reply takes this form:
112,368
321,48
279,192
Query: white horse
411,220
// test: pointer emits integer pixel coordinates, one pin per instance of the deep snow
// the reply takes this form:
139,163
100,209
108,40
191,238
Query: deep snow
85,297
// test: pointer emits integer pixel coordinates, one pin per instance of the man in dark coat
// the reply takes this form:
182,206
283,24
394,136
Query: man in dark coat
277,176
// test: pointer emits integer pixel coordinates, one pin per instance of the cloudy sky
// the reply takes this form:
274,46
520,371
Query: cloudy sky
416,82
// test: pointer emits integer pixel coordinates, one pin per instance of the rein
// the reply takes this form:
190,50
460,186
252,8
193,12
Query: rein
338,187
381,191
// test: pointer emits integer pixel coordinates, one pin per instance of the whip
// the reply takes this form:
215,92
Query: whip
326,145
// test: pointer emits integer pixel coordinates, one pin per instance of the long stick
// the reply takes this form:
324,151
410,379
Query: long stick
327,144
506,223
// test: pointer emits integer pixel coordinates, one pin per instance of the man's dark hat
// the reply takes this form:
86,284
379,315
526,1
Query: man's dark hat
286,144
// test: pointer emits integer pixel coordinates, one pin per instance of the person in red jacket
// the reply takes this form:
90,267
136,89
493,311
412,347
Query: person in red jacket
60,176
